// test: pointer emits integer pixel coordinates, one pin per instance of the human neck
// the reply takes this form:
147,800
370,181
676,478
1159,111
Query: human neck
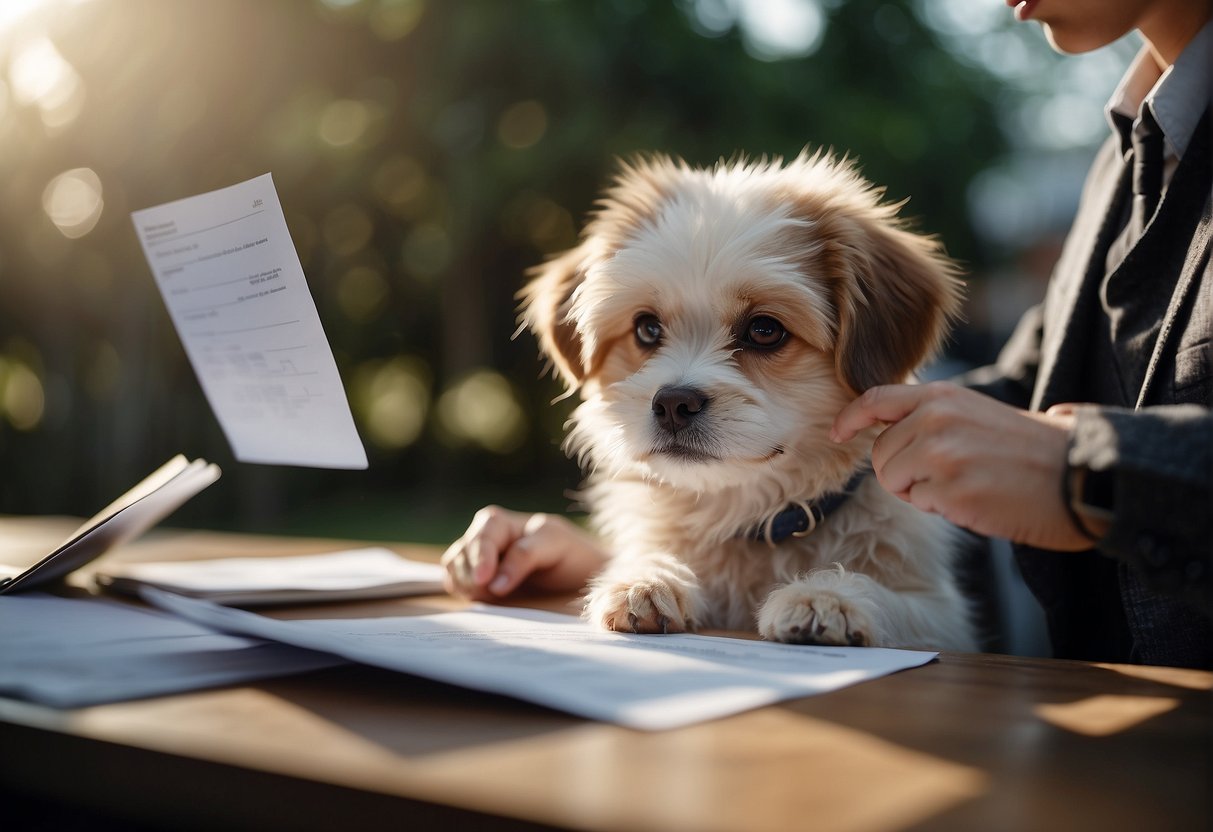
1169,25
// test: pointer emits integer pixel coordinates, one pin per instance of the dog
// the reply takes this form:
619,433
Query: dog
714,321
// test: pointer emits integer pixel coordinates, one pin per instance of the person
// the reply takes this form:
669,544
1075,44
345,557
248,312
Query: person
1089,445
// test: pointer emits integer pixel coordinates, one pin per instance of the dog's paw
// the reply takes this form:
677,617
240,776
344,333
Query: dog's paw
801,614
646,605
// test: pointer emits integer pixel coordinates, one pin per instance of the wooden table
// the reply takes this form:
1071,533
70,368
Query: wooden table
970,742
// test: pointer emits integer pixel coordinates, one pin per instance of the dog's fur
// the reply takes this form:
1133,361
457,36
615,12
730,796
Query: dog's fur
864,301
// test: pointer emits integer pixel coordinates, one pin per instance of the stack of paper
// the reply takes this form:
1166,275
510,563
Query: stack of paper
136,511
69,653
247,582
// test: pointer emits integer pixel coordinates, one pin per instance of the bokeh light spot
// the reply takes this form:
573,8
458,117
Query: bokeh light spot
38,72
483,409
347,229
343,122
771,29
780,29
522,125
393,399
362,293
73,201
22,397
540,221
42,77
394,19
401,184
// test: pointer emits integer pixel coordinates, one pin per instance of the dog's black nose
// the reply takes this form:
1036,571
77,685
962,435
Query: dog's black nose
675,407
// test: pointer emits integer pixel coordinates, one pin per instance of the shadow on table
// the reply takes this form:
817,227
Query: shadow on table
1088,746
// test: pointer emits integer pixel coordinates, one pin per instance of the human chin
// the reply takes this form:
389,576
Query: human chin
1080,33
1068,41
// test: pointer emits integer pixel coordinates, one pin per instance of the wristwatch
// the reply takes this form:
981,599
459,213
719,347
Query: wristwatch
1090,497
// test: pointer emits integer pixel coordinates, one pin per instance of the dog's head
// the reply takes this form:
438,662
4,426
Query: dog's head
715,321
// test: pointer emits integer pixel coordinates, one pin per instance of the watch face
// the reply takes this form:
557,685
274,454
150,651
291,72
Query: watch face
1099,490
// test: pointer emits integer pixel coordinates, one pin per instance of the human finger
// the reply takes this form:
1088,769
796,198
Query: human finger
892,442
471,562
518,562
553,554
887,403
458,578
900,464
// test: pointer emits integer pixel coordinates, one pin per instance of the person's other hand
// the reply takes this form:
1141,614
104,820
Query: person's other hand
502,550
983,465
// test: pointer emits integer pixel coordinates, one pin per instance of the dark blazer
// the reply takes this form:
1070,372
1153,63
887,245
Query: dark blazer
1144,593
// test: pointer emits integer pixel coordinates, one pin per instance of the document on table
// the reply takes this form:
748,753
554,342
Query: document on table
647,682
373,572
69,653
234,288
143,506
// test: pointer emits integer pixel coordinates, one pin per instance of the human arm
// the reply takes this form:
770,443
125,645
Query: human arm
504,550
1157,465
988,467
1000,471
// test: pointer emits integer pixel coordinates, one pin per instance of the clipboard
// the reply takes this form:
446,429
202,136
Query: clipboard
155,497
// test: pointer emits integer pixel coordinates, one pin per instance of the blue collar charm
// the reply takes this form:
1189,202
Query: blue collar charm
801,519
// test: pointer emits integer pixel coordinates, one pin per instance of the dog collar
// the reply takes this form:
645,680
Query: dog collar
802,518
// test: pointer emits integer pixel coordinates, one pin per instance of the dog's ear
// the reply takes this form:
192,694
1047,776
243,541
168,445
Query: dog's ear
632,199
546,302
894,303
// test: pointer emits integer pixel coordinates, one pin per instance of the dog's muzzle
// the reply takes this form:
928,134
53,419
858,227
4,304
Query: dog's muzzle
675,408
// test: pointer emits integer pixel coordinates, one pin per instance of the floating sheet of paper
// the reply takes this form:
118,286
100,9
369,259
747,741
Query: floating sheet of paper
236,293
69,653
336,576
646,682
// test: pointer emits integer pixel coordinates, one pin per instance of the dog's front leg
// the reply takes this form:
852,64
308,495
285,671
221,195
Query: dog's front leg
654,593
836,606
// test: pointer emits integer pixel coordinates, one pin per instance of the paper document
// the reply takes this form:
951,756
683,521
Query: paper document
336,576
70,653
646,682
236,293
147,503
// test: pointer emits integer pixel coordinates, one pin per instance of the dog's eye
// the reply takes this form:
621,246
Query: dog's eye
648,330
765,333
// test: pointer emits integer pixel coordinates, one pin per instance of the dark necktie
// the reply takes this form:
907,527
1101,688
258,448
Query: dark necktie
1147,173
1145,154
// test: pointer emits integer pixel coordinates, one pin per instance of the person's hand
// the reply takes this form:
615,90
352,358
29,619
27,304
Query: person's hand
502,550
983,465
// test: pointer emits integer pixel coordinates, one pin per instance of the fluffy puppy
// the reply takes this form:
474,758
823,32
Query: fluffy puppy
714,322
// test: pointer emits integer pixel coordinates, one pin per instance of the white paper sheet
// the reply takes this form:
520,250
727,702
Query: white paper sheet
157,496
69,653
373,572
645,682
235,290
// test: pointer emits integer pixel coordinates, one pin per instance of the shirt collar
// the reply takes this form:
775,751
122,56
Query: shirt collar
1176,97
